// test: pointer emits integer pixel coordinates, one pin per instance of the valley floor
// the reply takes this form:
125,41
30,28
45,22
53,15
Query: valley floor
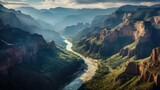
92,66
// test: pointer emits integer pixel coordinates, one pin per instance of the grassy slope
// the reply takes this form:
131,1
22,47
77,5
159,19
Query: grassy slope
57,67
107,81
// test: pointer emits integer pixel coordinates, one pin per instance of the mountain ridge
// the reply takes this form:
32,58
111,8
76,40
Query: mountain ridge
18,19
28,62
128,42
61,16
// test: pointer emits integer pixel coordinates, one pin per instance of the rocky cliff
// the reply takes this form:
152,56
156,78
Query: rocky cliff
125,32
28,62
148,69
130,47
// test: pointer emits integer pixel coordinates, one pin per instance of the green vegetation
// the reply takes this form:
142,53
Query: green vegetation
102,70
67,55
51,60
94,40
136,84
154,69
57,65
131,46
118,79
116,60
103,83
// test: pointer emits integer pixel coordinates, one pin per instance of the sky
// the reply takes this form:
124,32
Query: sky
75,3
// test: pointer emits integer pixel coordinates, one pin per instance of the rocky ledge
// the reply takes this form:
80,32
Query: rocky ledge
148,70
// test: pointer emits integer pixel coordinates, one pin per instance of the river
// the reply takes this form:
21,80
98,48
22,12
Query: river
92,66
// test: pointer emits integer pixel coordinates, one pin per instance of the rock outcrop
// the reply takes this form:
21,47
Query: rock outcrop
121,28
148,69
155,20
132,68
124,31
19,50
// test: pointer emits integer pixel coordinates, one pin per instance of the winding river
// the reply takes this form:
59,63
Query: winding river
92,66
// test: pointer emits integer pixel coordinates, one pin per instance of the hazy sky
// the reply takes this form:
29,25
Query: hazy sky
75,3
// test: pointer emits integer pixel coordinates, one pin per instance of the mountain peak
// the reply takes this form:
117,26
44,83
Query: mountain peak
1,6
130,8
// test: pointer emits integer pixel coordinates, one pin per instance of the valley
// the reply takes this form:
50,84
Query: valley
89,72
67,48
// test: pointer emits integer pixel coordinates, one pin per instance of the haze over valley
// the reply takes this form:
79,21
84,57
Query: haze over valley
79,45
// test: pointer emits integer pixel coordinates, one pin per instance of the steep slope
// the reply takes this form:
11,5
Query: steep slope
26,22
131,75
28,62
124,27
135,64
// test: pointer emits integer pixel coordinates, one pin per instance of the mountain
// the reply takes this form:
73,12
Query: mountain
61,17
26,22
119,29
127,41
28,62
74,29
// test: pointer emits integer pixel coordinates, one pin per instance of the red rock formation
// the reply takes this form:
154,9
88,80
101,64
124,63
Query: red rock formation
132,68
147,68
103,35
142,34
155,55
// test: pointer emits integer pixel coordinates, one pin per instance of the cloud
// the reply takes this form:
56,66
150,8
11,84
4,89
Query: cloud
13,3
18,3
75,3
57,3
93,3
115,1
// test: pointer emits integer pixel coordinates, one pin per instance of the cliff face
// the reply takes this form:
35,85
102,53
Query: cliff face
156,20
103,37
136,35
113,41
19,47
142,33
28,62
148,70
124,31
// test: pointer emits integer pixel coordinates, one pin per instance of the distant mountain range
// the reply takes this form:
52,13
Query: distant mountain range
72,30
17,19
62,17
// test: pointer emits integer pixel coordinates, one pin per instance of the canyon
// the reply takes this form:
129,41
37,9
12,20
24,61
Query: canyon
118,50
